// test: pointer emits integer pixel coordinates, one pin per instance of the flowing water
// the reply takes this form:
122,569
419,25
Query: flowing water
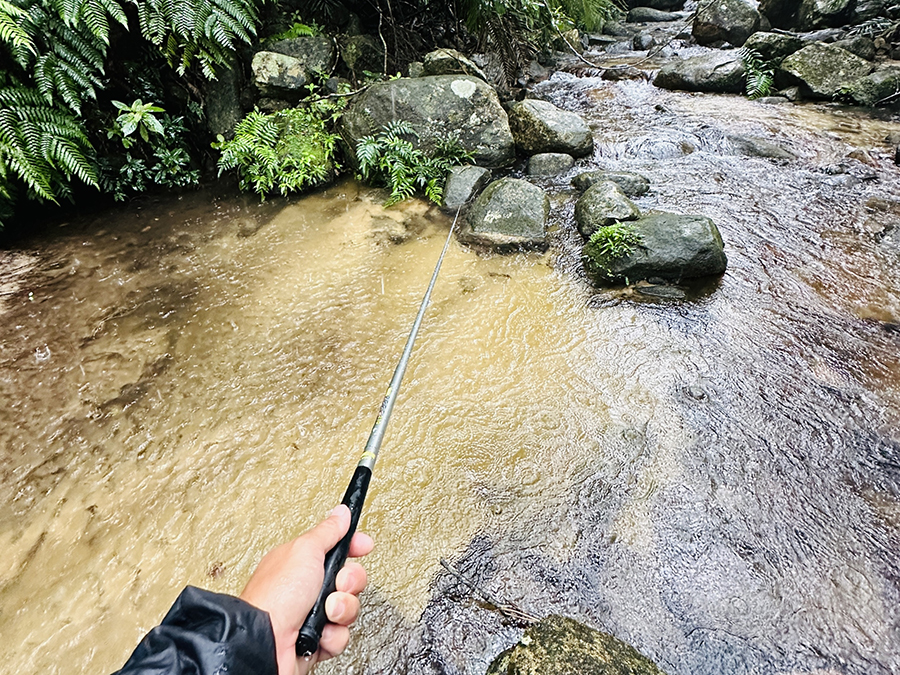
715,480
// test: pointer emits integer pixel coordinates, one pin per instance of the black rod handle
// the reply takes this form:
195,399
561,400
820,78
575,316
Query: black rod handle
311,631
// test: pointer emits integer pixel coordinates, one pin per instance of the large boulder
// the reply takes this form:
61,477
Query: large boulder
463,183
438,107
823,70
725,20
632,184
450,62
511,214
815,14
316,53
557,645
774,47
539,126
601,205
876,86
671,247
667,5
276,74
717,71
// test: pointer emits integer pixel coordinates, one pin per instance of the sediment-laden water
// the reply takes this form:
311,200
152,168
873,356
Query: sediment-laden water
715,480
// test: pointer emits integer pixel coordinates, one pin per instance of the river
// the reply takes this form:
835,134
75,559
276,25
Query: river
188,381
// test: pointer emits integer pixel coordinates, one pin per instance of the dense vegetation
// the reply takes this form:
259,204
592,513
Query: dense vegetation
108,95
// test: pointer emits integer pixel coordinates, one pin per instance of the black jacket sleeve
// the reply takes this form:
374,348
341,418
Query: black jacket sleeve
207,633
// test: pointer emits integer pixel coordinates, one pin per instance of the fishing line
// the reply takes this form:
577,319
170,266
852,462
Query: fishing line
311,631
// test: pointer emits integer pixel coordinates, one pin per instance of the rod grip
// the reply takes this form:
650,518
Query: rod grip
311,631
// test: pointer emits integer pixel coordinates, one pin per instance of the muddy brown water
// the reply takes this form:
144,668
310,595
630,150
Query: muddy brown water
716,480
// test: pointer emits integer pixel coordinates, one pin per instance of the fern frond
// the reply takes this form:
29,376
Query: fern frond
13,30
759,73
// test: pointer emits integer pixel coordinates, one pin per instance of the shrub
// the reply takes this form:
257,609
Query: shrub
390,159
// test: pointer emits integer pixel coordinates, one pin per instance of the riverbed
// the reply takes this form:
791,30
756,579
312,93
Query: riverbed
188,381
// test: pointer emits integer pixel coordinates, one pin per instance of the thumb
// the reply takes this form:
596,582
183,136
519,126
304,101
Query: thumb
330,531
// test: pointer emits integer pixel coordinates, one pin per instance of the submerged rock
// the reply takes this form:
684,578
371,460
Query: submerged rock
603,204
450,62
511,214
650,15
718,71
558,645
774,47
673,247
823,70
632,184
725,20
549,163
464,183
753,146
539,126
438,107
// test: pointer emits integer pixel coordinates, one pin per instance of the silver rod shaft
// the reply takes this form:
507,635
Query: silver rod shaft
373,445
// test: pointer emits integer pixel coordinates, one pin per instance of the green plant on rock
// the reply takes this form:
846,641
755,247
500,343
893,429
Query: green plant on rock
288,151
389,158
759,72
611,242
138,116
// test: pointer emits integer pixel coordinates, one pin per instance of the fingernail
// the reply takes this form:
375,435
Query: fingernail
331,513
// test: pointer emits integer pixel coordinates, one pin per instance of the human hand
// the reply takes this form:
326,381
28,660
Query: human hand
287,582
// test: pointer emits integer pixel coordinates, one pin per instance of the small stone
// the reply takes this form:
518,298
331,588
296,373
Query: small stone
511,214
643,42
450,62
416,69
601,205
549,163
650,15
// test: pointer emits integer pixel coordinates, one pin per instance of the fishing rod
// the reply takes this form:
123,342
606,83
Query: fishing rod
311,631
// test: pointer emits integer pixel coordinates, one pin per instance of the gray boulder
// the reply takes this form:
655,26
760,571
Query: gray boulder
717,71
650,15
725,20
276,74
860,45
774,47
672,247
823,70
539,126
222,103
642,42
450,62
558,645
511,214
316,53
874,87
549,163
438,107
603,204
780,13
815,14
667,5
362,52
632,184
463,183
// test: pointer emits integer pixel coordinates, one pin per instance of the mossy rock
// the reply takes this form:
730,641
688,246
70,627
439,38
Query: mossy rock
557,645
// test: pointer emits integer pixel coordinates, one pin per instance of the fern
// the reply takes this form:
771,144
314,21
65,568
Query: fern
389,158
287,151
201,31
11,29
760,74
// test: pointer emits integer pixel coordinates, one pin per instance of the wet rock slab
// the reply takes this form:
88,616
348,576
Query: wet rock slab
463,184
558,645
823,70
673,247
632,184
549,163
601,205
